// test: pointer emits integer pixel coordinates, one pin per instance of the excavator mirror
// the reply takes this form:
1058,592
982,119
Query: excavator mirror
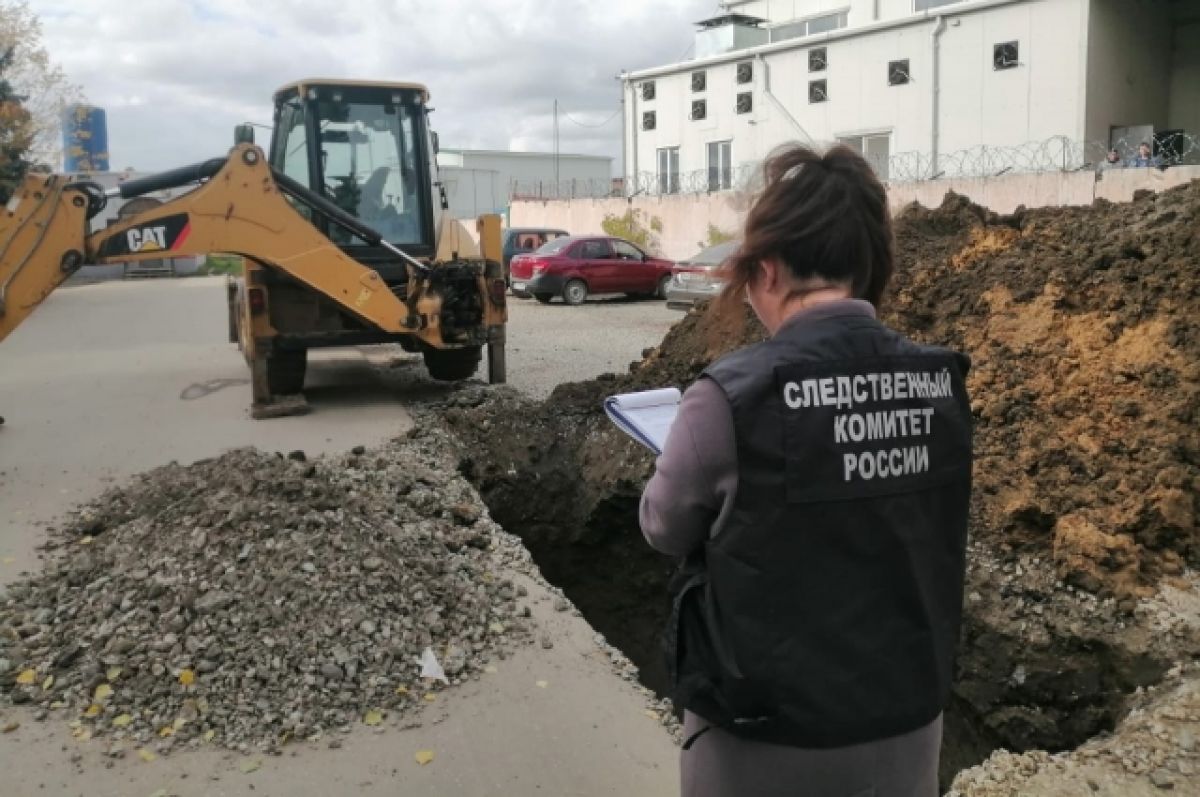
243,134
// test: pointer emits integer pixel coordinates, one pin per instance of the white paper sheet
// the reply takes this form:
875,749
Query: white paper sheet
646,416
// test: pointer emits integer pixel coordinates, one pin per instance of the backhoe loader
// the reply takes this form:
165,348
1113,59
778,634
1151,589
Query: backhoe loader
335,226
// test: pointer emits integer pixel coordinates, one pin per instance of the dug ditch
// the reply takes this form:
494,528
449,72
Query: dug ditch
1083,532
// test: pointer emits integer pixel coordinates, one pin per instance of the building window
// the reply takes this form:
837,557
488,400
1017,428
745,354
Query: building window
649,120
926,5
745,102
648,90
816,91
699,110
898,73
1004,56
745,72
810,27
876,148
668,170
817,60
720,168
699,81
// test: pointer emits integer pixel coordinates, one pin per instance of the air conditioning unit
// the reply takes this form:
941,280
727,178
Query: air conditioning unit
817,60
898,73
699,109
1004,56
745,72
745,102
699,81
816,91
648,90
649,120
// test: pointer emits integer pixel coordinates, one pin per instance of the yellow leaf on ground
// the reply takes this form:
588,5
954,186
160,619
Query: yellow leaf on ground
49,682
373,717
57,704
424,757
166,731
103,692
209,735
93,710
179,723
146,755
113,673
83,734
27,677
542,684
250,765
430,697
187,677
85,540
402,690
122,721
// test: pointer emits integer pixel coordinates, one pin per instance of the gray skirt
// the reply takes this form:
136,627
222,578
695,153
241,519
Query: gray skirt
719,764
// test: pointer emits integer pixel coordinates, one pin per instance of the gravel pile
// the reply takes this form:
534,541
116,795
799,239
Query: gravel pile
251,599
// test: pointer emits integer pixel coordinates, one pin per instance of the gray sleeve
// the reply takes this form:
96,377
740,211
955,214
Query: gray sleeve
695,478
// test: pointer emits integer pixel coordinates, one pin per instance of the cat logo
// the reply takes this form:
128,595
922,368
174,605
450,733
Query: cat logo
147,239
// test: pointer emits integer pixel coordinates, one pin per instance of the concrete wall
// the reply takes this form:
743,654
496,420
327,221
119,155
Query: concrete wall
685,219
1041,98
1128,66
1184,111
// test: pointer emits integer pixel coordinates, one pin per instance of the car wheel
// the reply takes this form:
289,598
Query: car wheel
661,293
544,298
575,292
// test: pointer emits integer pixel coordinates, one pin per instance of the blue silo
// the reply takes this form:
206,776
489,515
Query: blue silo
85,139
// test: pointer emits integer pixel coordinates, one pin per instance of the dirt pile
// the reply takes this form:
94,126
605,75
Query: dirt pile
1083,329
252,599
1154,749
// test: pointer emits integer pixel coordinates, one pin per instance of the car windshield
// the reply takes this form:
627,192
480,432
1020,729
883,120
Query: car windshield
555,246
713,256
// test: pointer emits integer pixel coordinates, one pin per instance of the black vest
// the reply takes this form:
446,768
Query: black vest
826,611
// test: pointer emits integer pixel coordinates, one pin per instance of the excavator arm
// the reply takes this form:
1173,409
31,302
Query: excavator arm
240,209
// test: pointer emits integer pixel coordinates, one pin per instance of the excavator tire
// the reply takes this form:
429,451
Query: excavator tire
285,371
453,365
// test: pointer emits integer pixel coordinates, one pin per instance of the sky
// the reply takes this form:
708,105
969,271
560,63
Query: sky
175,76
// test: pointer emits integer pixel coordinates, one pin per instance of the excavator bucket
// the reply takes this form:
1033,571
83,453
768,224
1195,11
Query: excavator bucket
42,233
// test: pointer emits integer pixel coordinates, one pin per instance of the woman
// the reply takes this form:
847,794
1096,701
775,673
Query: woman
817,486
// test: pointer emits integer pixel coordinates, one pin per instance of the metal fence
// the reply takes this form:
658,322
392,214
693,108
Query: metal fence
1058,154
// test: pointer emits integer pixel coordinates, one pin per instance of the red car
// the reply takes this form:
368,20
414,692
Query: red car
578,265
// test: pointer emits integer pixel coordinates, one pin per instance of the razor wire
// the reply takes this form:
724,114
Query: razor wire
1056,154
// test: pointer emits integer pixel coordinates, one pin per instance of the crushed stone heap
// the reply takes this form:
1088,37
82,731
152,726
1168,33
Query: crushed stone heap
250,599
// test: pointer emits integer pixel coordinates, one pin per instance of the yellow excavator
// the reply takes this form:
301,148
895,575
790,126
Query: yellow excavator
343,230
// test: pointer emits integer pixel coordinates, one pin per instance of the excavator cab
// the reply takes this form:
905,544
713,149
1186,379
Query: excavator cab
366,147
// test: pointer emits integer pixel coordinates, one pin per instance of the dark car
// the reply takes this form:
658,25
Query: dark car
519,240
578,266
697,279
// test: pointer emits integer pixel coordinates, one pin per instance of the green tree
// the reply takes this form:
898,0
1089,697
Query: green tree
636,227
16,132
43,87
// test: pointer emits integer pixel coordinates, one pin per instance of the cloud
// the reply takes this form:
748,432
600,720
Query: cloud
176,75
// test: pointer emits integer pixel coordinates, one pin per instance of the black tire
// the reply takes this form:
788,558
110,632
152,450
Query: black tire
544,298
453,365
661,292
285,371
575,292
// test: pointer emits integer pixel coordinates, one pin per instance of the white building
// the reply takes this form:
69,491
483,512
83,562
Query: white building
922,87
485,181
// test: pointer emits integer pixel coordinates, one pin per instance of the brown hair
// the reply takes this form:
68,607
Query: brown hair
825,217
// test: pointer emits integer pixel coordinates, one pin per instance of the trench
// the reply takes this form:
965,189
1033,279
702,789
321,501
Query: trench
586,540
